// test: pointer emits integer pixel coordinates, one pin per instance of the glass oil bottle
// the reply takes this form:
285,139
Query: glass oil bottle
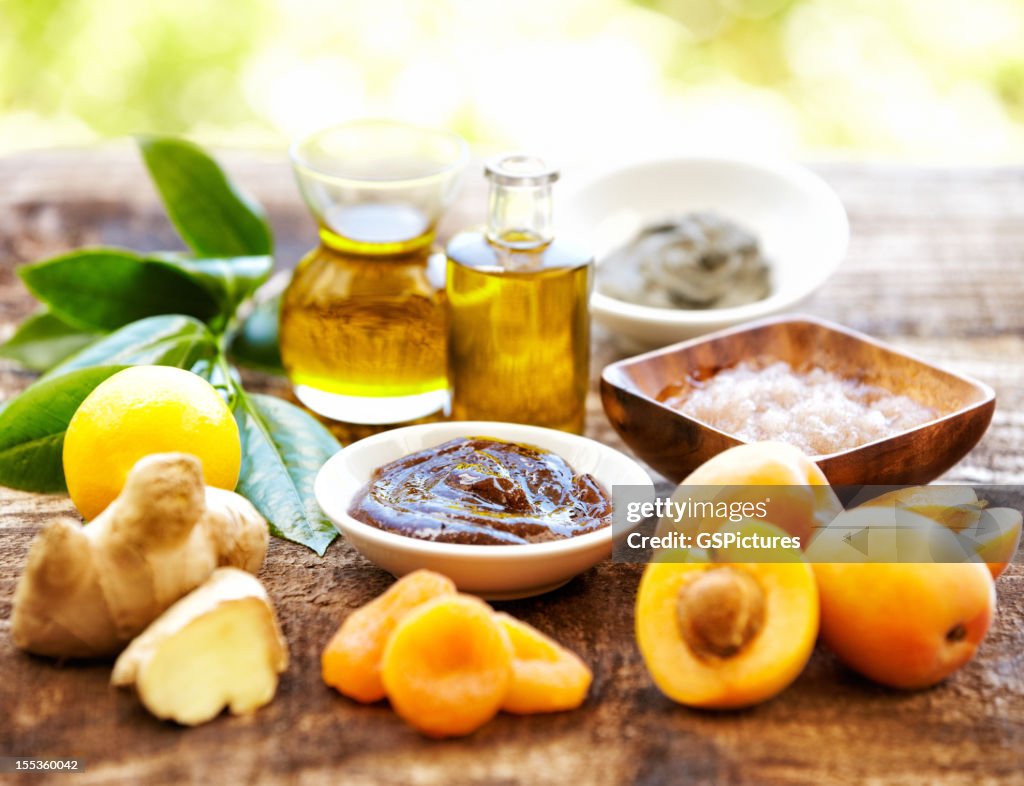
519,326
363,322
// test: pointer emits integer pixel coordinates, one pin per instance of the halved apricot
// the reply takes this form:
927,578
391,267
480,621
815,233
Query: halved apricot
993,534
998,538
546,677
351,662
724,635
447,666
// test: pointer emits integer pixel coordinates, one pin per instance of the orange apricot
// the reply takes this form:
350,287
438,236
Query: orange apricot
999,538
351,662
725,635
546,677
906,625
740,475
991,533
447,666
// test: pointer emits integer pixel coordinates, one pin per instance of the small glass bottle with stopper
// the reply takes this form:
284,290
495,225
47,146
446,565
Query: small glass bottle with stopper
519,326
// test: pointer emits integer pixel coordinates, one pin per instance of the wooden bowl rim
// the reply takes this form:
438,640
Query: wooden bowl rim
623,383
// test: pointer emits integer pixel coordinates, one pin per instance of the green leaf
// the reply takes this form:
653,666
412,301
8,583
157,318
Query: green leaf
32,429
167,340
282,450
43,340
256,342
223,376
104,289
211,214
230,279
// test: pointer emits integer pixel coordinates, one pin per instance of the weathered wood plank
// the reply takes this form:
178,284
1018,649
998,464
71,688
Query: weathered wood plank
934,266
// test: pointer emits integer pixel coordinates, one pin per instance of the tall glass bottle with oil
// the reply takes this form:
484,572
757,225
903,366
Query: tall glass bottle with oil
363,323
519,332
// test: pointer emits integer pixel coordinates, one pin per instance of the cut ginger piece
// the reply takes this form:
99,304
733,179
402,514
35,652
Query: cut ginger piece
447,666
726,635
351,662
219,646
546,677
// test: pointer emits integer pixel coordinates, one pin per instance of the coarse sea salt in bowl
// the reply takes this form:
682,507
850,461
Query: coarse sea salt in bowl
495,572
933,416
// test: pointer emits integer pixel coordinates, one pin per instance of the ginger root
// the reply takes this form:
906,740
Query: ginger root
219,646
89,590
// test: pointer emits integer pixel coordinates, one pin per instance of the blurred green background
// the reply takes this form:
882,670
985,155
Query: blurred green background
939,80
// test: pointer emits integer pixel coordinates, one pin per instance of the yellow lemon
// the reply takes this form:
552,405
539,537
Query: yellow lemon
143,410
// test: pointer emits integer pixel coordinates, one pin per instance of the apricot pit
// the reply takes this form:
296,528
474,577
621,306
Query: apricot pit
720,611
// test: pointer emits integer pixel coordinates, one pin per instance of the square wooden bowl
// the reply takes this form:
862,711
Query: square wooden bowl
675,444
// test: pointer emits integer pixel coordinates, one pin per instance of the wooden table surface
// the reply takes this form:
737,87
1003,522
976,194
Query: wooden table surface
936,265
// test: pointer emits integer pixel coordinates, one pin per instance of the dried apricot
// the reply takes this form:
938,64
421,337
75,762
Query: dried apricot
447,666
351,662
546,677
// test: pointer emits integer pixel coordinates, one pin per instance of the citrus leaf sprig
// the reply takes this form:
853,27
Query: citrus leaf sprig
214,217
43,340
105,309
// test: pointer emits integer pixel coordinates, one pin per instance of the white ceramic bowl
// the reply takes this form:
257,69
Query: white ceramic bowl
494,572
798,218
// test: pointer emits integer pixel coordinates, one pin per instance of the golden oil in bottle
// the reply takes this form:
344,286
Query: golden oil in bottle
519,326
363,325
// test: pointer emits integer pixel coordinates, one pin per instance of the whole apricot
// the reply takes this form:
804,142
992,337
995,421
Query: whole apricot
906,625
803,501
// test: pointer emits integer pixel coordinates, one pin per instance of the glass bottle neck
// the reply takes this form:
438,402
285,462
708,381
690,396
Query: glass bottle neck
520,217
376,229
376,248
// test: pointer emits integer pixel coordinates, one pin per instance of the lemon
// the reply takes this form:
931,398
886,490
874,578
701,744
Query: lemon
143,410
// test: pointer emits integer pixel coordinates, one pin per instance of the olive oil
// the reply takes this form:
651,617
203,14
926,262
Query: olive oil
363,323
519,333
